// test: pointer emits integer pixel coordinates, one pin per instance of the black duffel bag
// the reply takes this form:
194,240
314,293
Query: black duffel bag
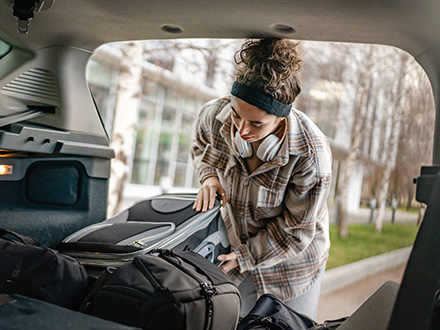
167,291
31,269
270,313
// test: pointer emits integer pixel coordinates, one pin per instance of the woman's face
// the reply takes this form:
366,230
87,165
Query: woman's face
252,123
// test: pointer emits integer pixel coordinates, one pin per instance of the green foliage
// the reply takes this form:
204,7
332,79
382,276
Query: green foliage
363,242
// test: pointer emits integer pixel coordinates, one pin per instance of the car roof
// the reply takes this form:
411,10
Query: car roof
63,27
408,24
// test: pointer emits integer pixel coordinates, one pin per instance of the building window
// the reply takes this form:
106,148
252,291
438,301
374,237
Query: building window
163,139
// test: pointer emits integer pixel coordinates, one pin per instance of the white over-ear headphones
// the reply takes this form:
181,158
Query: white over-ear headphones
265,152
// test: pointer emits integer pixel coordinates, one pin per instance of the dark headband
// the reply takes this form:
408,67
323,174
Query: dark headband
260,100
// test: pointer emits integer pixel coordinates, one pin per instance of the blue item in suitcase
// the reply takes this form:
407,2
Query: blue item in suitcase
166,221
24,313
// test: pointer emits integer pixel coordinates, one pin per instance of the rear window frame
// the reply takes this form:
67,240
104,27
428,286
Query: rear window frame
5,48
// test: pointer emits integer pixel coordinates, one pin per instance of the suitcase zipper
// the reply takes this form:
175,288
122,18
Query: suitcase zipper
156,285
208,289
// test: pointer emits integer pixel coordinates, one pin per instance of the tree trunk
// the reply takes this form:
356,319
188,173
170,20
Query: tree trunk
211,65
125,122
357,135
342,195
391,146
421,213
410,190
356,138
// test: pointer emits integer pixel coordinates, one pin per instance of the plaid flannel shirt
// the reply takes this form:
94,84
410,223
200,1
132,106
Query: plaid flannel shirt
277,216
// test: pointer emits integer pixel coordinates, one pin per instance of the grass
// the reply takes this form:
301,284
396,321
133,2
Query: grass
363,242
411,209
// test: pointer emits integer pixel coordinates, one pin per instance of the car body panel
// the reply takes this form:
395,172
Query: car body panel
65,33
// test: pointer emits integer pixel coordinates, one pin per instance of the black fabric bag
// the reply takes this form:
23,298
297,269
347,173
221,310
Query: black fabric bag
31,269
23,313
165,290
272,314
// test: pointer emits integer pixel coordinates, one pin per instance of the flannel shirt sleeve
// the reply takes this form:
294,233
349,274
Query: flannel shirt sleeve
290,234
201,141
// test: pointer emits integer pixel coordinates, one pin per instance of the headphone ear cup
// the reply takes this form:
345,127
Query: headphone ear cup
243,147
268,148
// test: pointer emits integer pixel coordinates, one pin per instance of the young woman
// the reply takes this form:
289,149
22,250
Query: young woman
271,166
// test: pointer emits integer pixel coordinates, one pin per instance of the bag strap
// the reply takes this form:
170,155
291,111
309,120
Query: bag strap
24,239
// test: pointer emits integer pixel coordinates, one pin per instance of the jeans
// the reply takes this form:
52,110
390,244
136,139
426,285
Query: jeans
306,304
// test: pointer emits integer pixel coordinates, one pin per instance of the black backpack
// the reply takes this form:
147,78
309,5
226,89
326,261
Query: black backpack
31,269
271,313
166,290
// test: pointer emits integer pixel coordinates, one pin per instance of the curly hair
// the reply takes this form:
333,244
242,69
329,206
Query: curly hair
271,67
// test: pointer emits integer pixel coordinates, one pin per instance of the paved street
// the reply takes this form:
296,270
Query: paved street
363,215
345,301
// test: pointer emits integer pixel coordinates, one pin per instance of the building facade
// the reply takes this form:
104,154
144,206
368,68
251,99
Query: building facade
167,113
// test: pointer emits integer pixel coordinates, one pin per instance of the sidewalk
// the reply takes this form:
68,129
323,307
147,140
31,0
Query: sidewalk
343,302
363,215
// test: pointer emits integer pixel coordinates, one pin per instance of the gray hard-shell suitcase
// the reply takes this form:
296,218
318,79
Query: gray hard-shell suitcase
166,221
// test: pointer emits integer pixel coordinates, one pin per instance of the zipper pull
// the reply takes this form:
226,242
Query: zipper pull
208,289
139,244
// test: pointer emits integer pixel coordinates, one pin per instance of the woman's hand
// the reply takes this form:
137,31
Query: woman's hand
206,196
229,261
